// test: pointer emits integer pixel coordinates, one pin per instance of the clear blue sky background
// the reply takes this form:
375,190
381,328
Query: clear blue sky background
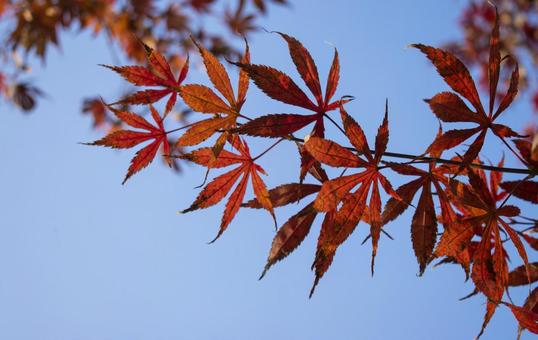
84,258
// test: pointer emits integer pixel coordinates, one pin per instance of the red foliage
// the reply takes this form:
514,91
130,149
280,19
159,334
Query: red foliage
125,139
468,198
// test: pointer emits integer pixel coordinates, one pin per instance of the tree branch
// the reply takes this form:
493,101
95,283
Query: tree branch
529,172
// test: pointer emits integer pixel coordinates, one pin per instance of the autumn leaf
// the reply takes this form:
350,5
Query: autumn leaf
157,73
218,188
519,277
525,189
279,86
528,320
472,205
125,139
203,99
449,107
490,269
335,191
424,222
292,233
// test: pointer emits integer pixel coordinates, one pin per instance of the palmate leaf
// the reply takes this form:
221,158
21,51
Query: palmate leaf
281,87
157,73
125,139
449,107
218,188
338,190
424,222
475,226
490,268
292,233
202,99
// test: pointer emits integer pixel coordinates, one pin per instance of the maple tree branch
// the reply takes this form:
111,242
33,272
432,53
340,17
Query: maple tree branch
528,172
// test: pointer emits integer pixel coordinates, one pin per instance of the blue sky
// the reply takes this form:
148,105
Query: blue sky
83,257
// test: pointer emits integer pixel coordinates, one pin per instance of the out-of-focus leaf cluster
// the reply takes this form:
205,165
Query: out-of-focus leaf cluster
31,27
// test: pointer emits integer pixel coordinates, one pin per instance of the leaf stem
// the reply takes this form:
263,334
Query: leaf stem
269,148
181,128
244,117
529,176
335,123
513,151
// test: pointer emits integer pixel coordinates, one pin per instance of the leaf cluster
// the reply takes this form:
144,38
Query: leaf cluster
463,211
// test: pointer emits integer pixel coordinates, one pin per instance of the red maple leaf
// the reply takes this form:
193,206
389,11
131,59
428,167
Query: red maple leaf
217,189
524,189
490,269
281,87
527,315
125,139
157,73
292,233
424,222
449,107
338,190
203,99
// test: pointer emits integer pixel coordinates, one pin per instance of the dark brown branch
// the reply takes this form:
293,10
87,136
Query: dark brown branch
444,161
